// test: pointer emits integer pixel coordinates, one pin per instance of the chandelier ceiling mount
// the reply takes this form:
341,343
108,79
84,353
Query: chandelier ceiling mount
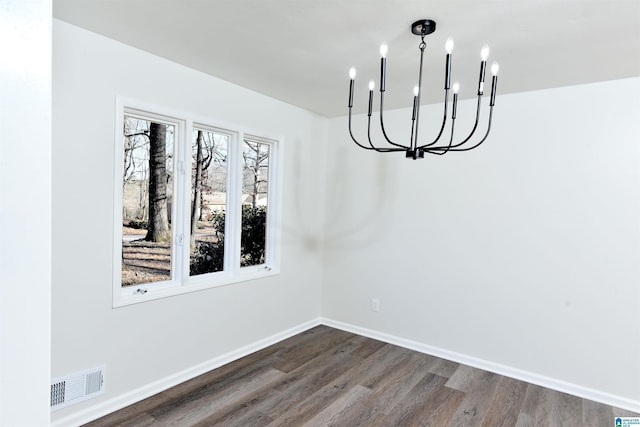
423,27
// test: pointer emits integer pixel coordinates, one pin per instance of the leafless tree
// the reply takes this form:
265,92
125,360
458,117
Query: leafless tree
206,152
136,136
256,167
197,183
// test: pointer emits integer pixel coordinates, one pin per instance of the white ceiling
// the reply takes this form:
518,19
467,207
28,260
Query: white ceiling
300,51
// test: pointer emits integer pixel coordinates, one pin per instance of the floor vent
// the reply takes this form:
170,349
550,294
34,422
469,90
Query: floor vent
75,388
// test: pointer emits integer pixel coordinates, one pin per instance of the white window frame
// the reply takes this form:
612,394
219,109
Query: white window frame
181,282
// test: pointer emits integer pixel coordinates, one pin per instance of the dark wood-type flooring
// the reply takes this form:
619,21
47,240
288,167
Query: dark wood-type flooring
329,377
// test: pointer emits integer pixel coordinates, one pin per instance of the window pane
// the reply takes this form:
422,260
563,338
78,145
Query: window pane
208,201
147,201
255,179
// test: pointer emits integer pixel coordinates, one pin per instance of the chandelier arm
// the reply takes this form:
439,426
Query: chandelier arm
353,137
475,145
444,122
448,147
383,150
379,149
475,127
485,135
384,132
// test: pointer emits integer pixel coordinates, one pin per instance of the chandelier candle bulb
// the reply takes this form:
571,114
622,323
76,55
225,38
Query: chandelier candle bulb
383,64
495,67
447,74
494,83
352,77
372,86
414,148
384,48
484,54
448,47
456,89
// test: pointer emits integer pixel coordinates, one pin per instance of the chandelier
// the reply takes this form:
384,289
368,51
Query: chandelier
415,150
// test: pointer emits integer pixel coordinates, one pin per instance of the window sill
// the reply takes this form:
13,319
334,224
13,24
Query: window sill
154,291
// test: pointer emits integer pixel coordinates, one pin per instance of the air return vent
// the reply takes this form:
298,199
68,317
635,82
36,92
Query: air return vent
77,387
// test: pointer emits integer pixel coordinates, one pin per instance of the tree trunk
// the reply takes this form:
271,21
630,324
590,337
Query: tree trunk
195,205
200,216
158,229
254,198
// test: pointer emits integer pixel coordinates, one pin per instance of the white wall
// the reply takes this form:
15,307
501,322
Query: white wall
147,342
524,253
25,220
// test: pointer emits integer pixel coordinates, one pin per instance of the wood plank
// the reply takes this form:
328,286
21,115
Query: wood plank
397,384
366,346
535,408
391,388
300,353
225,375
141,420
436,409
399,357
249,418
361,373
566,410
333,414
444,368
524,420
464,378
415,400
596,414
193,411
131,412
618,412
475,404
297,385
505,406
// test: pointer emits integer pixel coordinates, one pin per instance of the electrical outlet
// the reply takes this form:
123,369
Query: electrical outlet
375,304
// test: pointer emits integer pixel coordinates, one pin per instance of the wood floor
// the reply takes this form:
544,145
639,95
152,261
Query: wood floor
328,377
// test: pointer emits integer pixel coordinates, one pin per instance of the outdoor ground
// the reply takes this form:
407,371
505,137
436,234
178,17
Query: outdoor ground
147,262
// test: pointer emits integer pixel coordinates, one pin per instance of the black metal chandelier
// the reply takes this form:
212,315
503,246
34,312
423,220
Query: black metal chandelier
414,150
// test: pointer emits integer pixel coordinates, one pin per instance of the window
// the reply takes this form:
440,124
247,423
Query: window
194,204
255,192
147,198
208,195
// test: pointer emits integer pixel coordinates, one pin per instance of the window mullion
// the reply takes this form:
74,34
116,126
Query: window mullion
182,222
233,222
273,210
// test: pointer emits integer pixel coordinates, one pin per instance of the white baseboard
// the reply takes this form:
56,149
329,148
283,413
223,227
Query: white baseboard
507,371
111,405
